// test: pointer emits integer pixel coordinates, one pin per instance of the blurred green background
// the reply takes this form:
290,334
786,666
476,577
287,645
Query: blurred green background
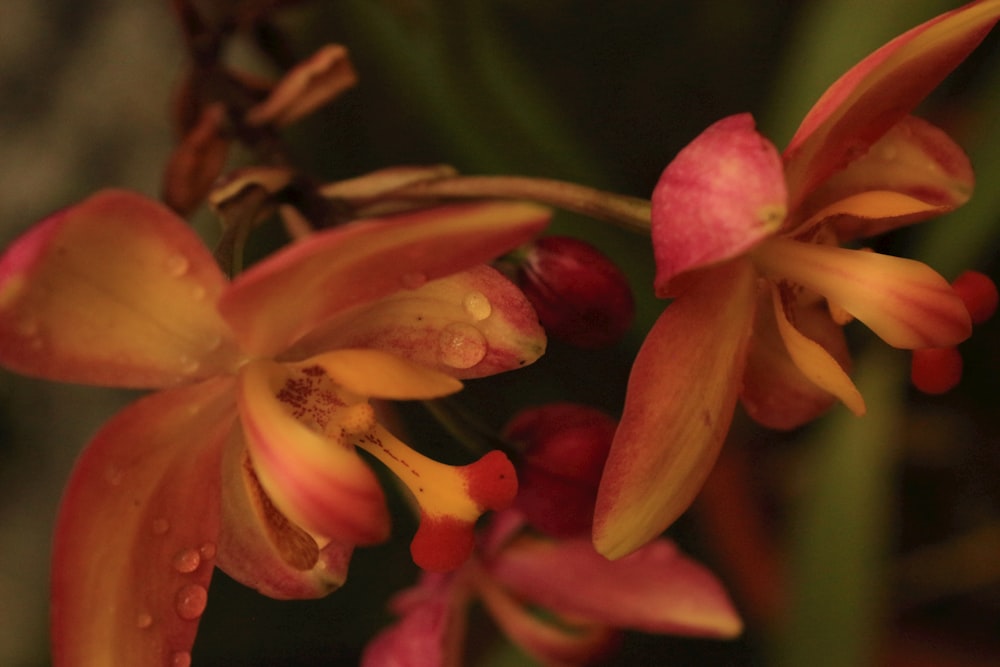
887,528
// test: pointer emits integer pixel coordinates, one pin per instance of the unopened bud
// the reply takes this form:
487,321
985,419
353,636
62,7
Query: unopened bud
566,445
580,296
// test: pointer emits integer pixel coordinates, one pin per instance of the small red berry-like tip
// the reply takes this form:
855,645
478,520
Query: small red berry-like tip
442,544
979,293
492,482
936,370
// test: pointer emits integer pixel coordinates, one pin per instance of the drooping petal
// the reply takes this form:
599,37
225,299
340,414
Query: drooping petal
913,172
284,297
450,498
555,642
678,407
299,430
815,362
905,302
656,589
879,91
720,196
775,392
431,632
261,548
136,535
115,290
469,324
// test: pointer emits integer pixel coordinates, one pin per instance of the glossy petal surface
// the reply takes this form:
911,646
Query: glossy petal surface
904,301
655,589
299,431
135,539
719,197
286,296
680,402
470,324
879,91
117,291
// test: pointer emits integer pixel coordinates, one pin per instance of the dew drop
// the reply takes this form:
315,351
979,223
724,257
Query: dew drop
28,328
207,550
113,475
461,345
190,601
180,659
413,280
143,620
198,293
188,365
477,306
160,526
177,265
187,560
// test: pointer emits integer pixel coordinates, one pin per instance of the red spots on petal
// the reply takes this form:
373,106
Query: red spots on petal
936,370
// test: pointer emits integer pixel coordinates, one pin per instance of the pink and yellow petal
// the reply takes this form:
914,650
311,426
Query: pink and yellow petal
278,301
136,536
905,302
299,431
115,290
913,172
450,498
470,324
679,403
261,548
721,195
879,91
656,589
775,392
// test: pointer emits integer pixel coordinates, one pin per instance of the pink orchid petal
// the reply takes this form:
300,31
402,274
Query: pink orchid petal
261,548
135,539
905,302
469,324
431,632
928,172
284,297
656,589
311,472
720,196
556,643
815,363
117,291
678,407
775,392
879,91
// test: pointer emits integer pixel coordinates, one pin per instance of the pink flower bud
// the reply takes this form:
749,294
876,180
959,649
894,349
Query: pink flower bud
566,445
580,296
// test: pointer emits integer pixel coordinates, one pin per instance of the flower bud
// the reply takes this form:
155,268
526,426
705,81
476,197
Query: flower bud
565,447
580,296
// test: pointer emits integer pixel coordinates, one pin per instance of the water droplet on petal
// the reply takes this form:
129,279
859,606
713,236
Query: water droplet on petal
198,292
143,620
187,560
177,265
190,601
413,280
477,306
180,659
461,345
28,327
113,475
208,550
189,365
160,526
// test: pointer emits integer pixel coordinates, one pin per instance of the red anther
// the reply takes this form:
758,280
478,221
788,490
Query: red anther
979,293
936,370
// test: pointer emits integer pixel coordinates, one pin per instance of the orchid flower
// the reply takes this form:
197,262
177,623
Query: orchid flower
245,457
515,574
748,241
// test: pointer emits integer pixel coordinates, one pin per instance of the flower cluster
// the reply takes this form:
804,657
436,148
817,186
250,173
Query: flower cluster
254,452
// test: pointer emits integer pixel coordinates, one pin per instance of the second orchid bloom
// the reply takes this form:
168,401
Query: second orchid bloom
748,241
